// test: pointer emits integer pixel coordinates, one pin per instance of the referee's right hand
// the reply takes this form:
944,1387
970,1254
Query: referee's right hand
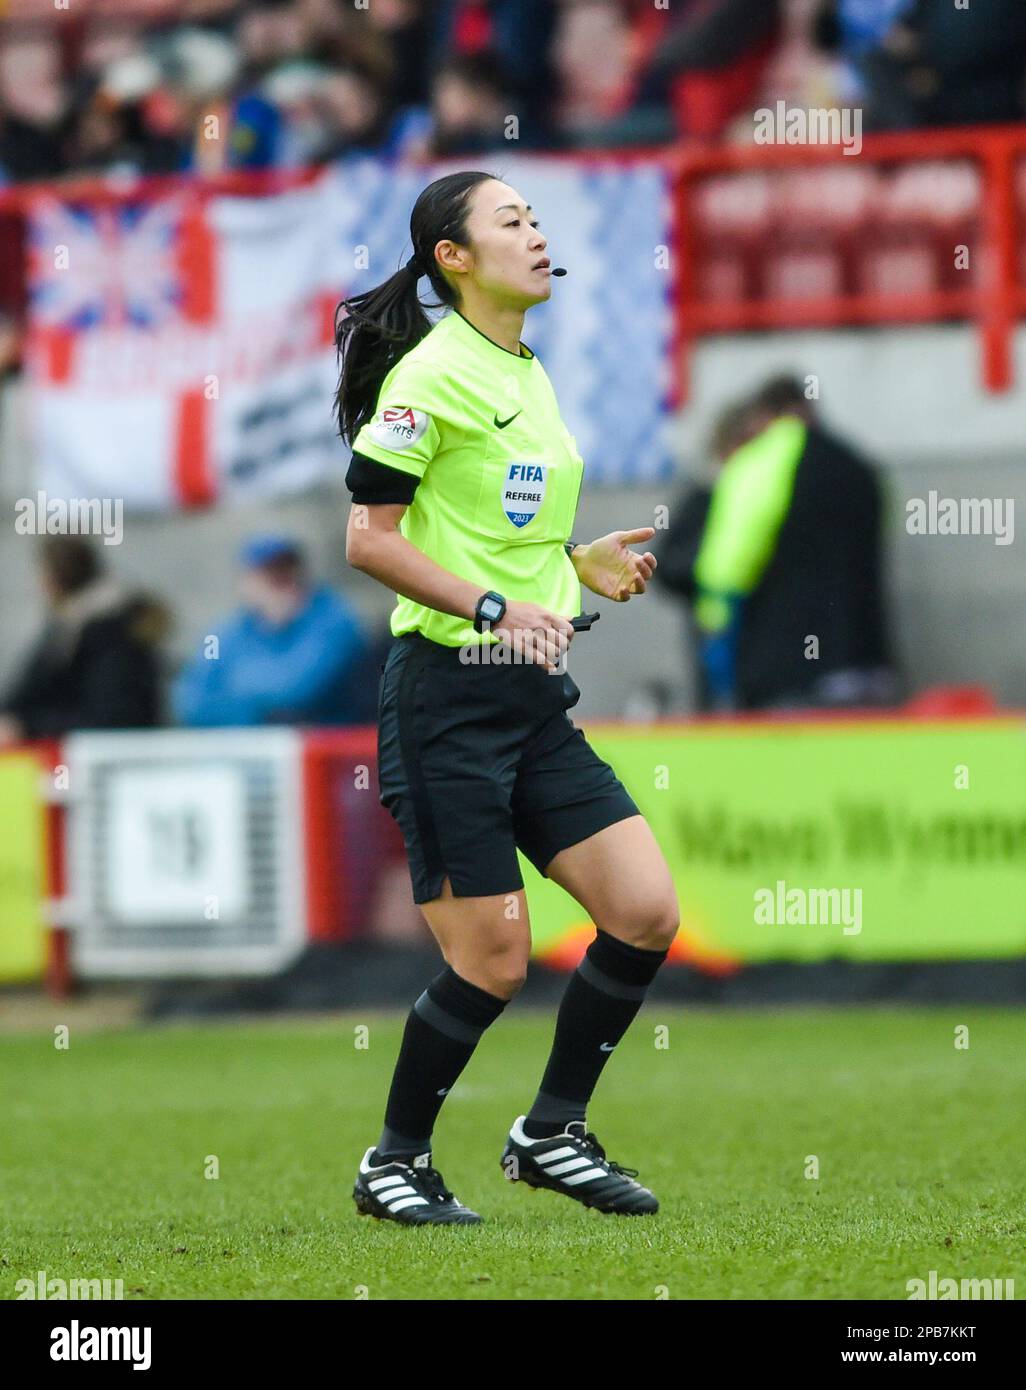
535,634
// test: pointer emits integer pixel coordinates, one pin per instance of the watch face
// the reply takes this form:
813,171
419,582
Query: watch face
490,610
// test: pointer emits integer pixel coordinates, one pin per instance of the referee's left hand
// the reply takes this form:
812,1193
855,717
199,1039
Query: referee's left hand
609,568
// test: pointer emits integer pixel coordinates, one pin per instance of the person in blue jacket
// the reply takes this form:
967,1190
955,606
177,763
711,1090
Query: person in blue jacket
293,654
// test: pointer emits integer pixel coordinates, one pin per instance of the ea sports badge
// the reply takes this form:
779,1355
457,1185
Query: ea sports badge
398,426
523,492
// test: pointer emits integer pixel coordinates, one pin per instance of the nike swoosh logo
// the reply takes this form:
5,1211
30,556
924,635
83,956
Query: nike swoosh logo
606,1047
443,1092
501,424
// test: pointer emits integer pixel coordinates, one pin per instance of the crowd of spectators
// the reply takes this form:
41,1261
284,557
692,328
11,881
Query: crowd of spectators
143,87
293,652
149,86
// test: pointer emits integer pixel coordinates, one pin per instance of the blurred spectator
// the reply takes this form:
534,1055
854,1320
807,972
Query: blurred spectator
326,114
788,573
270,33
592,61
920,63
210,85
293,654
352,106
520,34
255,135
27,150
301,132
710,62
849,29
391,39
32,108
273,38
469,107
679,549
109,123
95,665
219,126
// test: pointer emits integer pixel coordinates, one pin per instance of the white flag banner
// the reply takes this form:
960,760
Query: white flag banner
181,349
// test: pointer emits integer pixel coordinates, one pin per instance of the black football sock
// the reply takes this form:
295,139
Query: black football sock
441,1033
598,1006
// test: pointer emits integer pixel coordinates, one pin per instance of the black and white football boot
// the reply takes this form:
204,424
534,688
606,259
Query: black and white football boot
414,1194
575,1164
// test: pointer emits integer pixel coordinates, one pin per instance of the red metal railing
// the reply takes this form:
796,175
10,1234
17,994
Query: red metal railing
994,298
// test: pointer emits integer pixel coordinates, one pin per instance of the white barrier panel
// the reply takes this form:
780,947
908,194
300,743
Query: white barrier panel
185,852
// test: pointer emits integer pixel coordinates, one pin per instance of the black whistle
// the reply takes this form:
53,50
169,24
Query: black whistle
583,621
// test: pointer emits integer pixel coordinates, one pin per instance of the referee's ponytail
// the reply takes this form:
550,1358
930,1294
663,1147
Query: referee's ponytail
374,329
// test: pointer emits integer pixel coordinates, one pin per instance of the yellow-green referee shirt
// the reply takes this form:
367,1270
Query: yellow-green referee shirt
499,473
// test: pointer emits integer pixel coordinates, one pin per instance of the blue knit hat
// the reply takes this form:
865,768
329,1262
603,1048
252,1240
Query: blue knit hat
264,550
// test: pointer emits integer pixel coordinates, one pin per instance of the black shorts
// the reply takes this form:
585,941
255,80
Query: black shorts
476,761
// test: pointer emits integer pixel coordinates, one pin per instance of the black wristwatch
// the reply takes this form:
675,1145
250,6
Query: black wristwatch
570,547
491,608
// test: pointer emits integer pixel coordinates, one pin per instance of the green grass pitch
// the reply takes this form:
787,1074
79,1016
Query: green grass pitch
919,1146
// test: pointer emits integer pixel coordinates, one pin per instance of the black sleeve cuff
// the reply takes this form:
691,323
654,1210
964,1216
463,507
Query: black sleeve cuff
370,481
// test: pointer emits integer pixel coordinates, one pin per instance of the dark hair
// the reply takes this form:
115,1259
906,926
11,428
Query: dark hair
373,330
730,429
290,565
70,562
782,394
481,69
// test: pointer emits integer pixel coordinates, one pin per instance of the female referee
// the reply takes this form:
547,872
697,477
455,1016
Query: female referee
465,484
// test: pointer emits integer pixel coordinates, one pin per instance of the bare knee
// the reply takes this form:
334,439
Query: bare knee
501,971
503,977
650,924
507,980
487,941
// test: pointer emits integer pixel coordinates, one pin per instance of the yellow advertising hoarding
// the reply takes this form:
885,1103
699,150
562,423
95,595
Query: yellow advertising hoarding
878,839
22,941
